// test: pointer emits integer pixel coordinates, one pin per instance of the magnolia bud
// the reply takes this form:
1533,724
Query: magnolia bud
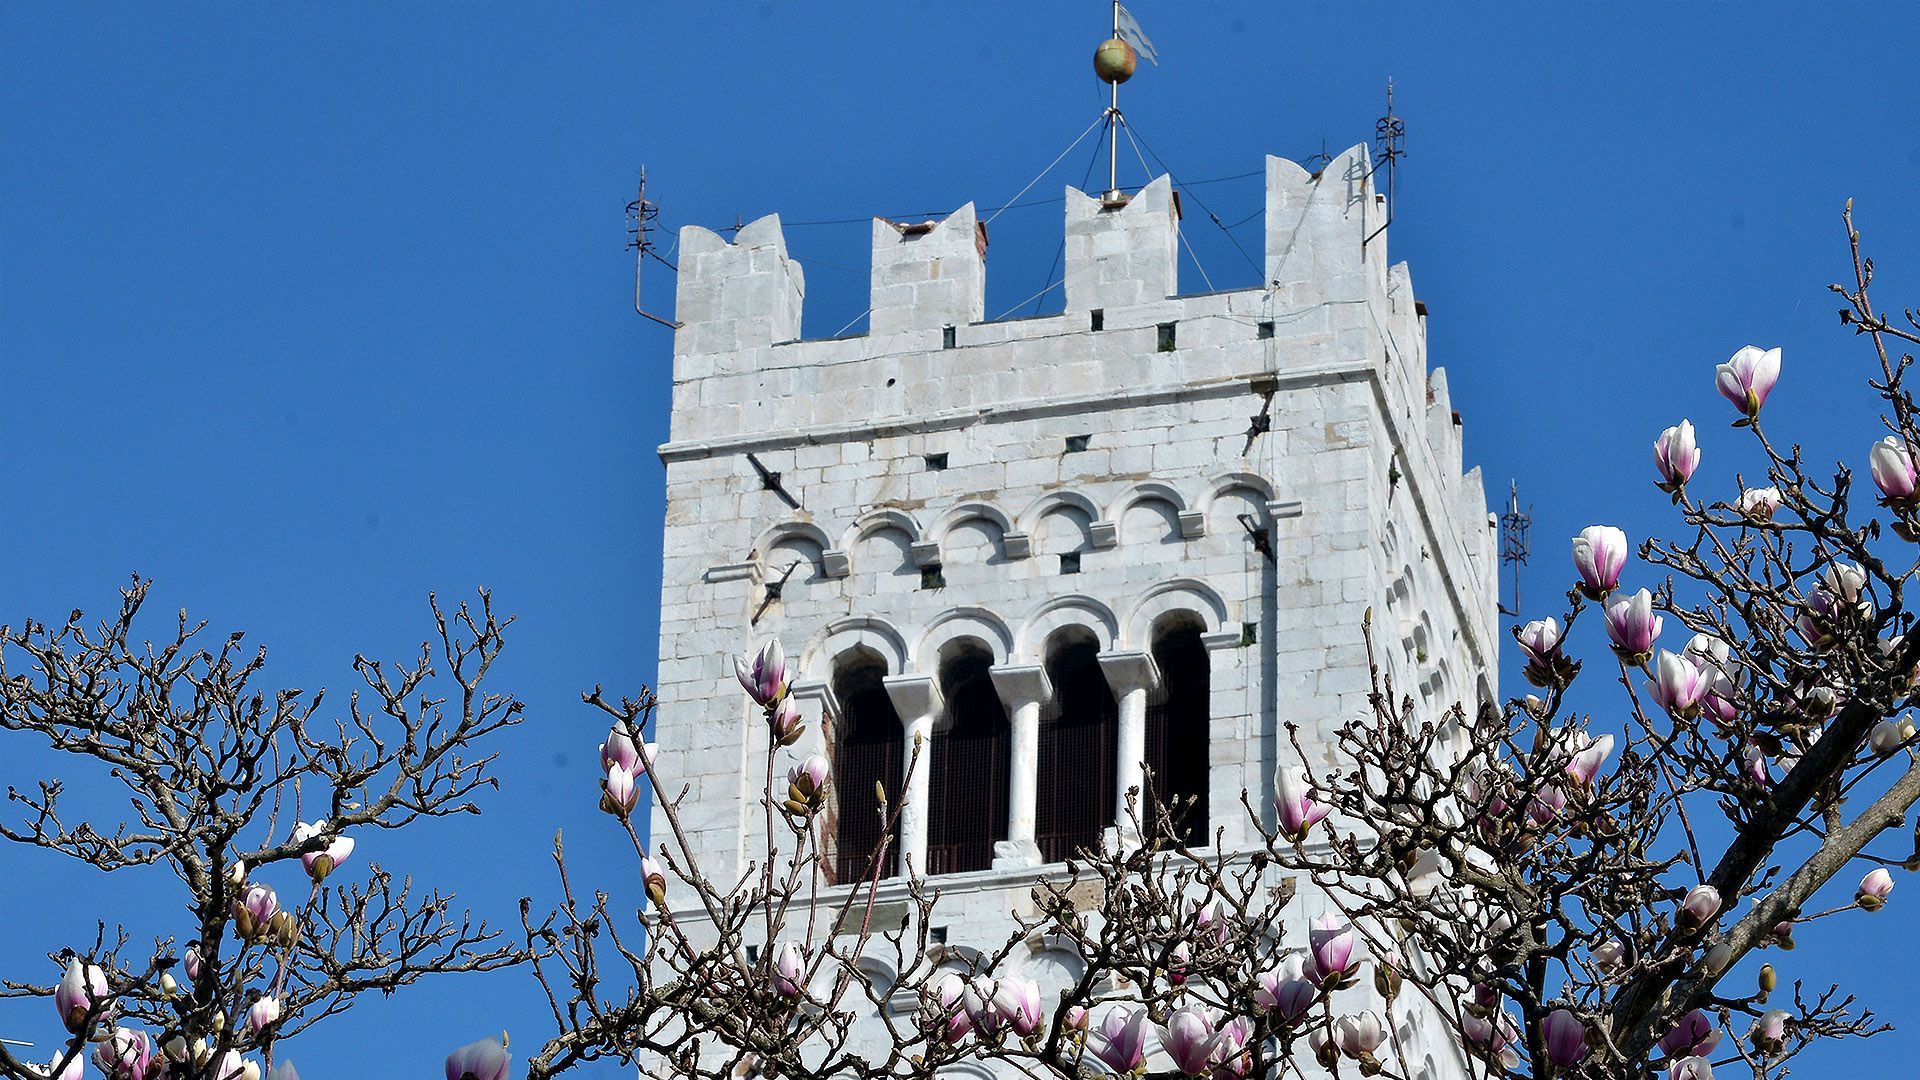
168,986
1717,959
237,874
284,929
1768,979
1872,895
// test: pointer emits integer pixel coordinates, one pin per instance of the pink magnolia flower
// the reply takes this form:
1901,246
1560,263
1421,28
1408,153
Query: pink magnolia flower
1676,454
1177,960
1189,1039
1599,554
1748,377
946,1000
1540,644
764,677
192,962
620,749
74,1069
326,860
1874,888
1294,803
126,1054
1678,684
1492,1035
1759,504
1566,1038
1891,735
81,988
1770,1031
1894,472
1693,1035
1211,916
1359,1035
1701,905
252,909
1633,626
1547,804
484,1060
1077,1018
1017,1001
1121,1042
1755,761
1696,1067
653,879
789,970
1230,1049
263,1014
1586,761
784,722
1332,943
618,793
1287,989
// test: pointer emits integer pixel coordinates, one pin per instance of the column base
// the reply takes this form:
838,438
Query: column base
1015,854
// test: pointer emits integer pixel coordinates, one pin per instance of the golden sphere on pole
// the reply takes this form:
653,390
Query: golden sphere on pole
1114,61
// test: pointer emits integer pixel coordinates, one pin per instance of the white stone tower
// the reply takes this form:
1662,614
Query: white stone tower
1141,533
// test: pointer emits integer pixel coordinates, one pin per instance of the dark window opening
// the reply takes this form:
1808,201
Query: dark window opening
936,462
1099,320
1078,443
1249,634
1264,329
932,578
967,770
1079,744
1166,337
1178,733
868,749
947,337
1070,562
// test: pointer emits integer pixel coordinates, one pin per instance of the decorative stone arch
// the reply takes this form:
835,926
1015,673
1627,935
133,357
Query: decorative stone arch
1221,485
844,635
1220,506
969,512
1071,610
1104,532
879,972
957,623
1182,595
1164,499
886,519
806,538
1053,963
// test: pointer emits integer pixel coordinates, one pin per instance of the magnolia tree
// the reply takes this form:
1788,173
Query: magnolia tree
1567,898
263,811
1571,897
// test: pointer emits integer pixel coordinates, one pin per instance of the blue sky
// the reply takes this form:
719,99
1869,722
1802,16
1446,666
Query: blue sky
305,311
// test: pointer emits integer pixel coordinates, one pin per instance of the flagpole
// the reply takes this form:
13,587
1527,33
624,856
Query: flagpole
1113,123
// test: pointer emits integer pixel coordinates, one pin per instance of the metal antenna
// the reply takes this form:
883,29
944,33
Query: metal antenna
640,218
1514,526
1389,146
1113,122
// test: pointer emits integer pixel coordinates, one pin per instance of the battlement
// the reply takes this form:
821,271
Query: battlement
1120,253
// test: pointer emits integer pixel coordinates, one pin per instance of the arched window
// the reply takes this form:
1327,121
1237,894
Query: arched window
1178,738
967,778
867,749
1079,743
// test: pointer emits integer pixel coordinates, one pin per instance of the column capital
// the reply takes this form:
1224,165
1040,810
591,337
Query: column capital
1129,671
1022,685
820,691
915,697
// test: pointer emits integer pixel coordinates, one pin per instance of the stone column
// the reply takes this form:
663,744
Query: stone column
1130,675
1022,690
917,699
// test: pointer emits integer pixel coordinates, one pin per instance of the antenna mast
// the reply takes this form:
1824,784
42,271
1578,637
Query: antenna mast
1114,61
1514,547
640,218
1389,145
1113,120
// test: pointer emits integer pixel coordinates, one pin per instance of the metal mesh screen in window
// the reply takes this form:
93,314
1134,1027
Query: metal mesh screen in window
868,748
972,750
1178,738
1079,742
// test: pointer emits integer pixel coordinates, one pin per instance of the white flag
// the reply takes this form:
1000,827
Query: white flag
1131,33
